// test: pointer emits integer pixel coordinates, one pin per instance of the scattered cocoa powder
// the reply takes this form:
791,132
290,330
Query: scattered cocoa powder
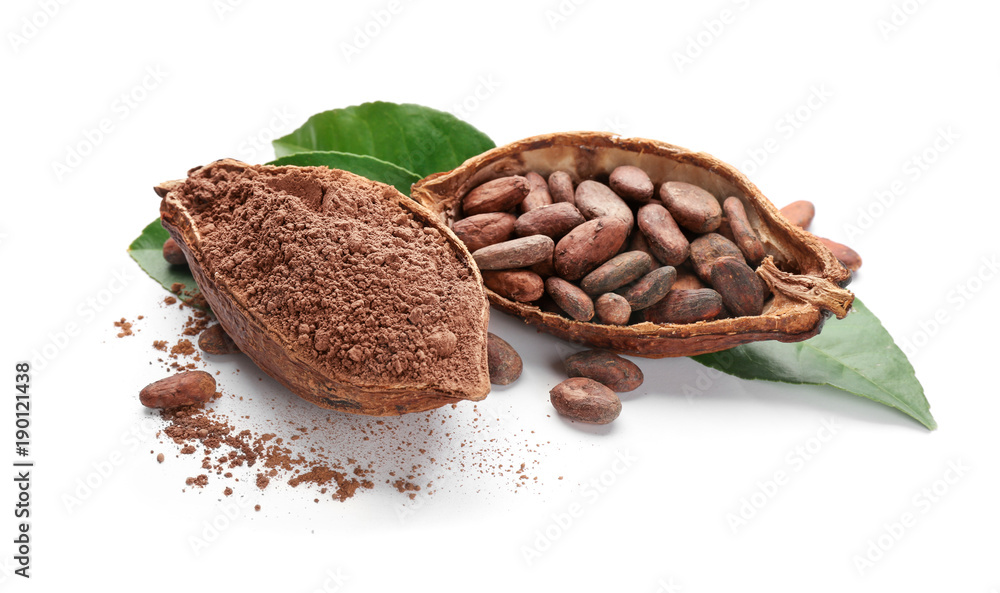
125,327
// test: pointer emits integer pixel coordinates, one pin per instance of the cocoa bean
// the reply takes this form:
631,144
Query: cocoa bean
544,268
522,286
553,221
686,281
588,246
743,234
173,254
570,298
585,400
846,255
483,230
631,183
649,289
215,340
561,187
738,286
182,389
538,193
498,195
637,242
706,249
596,200
612,309
663,235
516,253
800,213
617,272
607,368
504,362
685,306
691,206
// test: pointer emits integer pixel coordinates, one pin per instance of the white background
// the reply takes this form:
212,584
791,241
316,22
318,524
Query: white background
882,95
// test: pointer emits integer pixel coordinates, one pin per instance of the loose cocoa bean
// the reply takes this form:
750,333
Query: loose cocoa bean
664,237
706,249
585,400
743,234
685,306
522,286
215,340
738,285
554,221
637,242
570,298
617,272
845,254
544,268
538,193
649,289
631,183
691,206
607,368
516,253
483,230
561,187
498,195
612,309
686,281
596,200
800,213
183,389
504,362
588,246
173,254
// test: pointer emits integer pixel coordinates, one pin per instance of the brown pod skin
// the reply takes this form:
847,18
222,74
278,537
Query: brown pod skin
588,246
799,213
845,254
516,253
498,195
687,281
215,340
482,230
570,298
631,183
743,234
607,368
585,400
561,187
737,283
522,286
554,220
612,309
706,249
538,193
686,306
617,272
173,254
692,207
663,235
182,389
504,362
596,200
649,289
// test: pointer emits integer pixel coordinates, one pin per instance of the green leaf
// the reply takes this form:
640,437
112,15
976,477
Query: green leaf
855,354
416,138
147,251
366,166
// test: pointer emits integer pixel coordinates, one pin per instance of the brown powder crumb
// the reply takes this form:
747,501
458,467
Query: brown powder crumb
187,450
256,507
169,300
159,458
125,327
160,345
183,347
228,491
176,287
262,481
200,481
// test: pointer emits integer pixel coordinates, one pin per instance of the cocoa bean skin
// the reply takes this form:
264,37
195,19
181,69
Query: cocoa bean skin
738,286
173,254
516,253
554,221
522,286
585,400
612,309
692,207
663,236
498,195
743,234
482,230
588,246
845,254
800,213
215,340
648,290
607,368
686,306
570,298
617,272
538,193
707,249
183,389
631,183
596,200
561,187
504,362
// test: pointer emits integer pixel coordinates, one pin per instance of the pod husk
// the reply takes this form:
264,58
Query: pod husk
290,365
805,278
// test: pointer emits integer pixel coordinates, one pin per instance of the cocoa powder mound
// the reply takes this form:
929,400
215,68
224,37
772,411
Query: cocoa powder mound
346,275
